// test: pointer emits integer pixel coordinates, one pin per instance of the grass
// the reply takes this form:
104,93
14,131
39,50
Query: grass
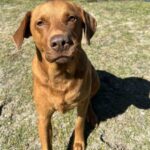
121,47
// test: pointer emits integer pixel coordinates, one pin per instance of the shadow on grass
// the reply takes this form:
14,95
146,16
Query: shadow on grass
115,96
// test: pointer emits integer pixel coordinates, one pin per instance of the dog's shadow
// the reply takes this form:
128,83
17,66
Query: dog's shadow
115,96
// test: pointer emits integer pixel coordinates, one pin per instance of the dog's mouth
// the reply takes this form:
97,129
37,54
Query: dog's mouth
62,59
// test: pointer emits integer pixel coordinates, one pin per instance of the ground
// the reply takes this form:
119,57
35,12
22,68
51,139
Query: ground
120,51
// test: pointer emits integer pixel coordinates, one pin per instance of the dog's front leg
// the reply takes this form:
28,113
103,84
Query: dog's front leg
45,132
79,126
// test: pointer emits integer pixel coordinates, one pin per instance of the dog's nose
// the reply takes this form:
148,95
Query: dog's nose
60,42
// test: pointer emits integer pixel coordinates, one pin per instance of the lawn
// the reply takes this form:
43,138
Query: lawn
120,51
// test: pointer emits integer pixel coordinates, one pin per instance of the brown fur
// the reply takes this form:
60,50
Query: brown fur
64,85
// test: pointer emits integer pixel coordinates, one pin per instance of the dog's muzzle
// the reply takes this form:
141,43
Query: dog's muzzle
59,51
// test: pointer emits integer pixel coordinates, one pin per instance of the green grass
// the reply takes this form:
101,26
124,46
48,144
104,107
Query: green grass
121,47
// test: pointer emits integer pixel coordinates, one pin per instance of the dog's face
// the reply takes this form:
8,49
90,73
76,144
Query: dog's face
56,27
57,31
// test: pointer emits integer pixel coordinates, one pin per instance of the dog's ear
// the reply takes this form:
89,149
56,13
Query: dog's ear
89,25
23,31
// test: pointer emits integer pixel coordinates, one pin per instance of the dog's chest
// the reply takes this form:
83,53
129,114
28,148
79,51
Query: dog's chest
66,94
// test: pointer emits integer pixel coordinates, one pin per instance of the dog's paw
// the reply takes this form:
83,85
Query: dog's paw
78,146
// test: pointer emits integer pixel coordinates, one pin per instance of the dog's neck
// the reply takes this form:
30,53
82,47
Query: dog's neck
62,71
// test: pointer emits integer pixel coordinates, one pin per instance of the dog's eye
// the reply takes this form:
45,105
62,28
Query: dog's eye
72,18
40,23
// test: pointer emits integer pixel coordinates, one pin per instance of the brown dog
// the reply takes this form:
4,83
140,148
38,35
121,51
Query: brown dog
63,75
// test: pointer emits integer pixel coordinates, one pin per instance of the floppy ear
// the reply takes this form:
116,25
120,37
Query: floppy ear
89,25
23,31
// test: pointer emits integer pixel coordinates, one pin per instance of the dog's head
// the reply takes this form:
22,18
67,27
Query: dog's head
56,27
